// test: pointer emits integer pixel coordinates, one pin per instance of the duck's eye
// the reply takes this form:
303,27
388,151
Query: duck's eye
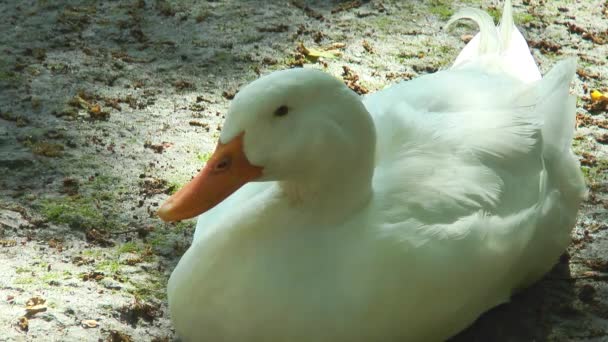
281,111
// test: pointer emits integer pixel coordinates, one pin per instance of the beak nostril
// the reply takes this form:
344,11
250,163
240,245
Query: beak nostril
214,183
223,164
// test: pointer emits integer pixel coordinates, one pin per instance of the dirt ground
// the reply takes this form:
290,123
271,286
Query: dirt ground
106,107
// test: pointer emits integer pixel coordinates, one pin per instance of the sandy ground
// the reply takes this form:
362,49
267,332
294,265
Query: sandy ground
107,107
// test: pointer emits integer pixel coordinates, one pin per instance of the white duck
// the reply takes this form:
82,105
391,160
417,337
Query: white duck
401,216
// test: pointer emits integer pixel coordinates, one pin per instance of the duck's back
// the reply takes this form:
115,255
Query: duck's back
482,154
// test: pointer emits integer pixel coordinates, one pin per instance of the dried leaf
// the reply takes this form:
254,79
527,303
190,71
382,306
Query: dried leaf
367,46
23,323
346,6
35,301
8,243
117,336
352,81
334,46
314,54
95,109
35,305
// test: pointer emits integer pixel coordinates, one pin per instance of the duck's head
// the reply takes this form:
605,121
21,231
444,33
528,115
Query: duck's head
294,125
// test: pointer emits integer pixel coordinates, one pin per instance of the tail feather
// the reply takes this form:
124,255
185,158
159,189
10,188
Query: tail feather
507,26
502,48
485,42
558,107
558,110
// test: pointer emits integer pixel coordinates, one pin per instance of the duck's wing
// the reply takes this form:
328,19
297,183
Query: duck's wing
471,140
489,120
440,138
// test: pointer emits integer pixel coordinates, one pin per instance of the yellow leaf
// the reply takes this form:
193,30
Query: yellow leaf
83,103
597,95
314,53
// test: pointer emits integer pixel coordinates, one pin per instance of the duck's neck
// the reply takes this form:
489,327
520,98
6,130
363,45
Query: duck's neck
337,189
334,176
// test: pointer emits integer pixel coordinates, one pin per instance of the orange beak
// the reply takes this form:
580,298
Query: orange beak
226,171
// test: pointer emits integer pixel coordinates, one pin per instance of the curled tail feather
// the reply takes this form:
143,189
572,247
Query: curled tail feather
503,47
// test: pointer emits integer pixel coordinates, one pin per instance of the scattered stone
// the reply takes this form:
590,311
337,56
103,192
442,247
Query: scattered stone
89,323
229,94
587,293
110,284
